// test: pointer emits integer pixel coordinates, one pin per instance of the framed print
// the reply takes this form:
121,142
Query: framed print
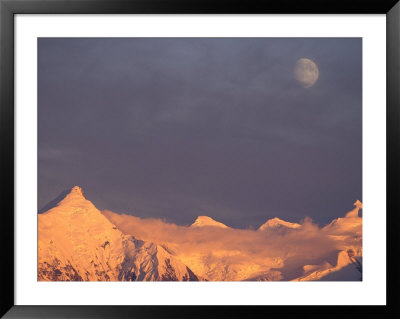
168,159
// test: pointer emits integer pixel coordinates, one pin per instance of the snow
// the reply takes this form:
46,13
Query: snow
276,223
78,242
351,223
354,212
347,232
345,269
202,221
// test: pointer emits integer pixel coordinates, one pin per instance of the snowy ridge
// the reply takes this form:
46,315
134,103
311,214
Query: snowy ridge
77,243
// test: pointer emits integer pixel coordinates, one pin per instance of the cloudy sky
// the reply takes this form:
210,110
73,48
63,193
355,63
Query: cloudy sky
174,128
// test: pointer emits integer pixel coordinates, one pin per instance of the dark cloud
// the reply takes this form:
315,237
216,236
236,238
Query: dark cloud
176,127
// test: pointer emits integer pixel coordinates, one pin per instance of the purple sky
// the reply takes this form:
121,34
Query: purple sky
180,127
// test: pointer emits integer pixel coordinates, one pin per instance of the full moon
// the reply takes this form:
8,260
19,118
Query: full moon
306,72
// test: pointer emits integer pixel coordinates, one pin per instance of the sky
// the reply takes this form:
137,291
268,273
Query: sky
174,128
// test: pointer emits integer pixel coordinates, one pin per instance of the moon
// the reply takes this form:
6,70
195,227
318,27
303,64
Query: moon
306,72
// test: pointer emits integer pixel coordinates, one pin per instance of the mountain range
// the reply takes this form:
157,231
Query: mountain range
78,242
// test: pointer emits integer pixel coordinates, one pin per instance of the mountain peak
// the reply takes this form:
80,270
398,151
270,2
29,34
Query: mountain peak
76,190
202,221
358,204
74,194
278,223
354,213
75,197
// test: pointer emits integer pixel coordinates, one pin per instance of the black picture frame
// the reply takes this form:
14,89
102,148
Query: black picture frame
8,8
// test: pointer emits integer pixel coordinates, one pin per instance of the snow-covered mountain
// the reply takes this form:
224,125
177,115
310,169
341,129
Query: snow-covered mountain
347,233
278,224
77,243
202,221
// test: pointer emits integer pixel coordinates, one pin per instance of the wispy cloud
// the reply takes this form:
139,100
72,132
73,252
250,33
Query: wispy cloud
209,251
